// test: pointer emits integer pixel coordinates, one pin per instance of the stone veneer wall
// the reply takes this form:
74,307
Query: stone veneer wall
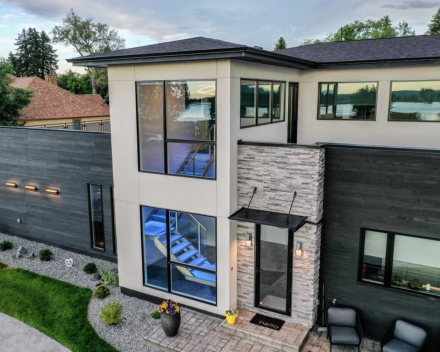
277,172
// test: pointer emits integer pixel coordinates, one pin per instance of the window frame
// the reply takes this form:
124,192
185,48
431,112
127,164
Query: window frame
102,250
112,204
336,83
170,262
388,272
391,96
165,138
271,101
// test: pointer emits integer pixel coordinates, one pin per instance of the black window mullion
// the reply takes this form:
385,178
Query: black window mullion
256,103
389,260
257,265
165,132
335,93
168,237
271,102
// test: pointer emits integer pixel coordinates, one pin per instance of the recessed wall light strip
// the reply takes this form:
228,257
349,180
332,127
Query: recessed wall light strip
11,184
31,188
52,191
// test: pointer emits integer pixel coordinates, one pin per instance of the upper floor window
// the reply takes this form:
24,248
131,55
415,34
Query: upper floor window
176,127
262,102
400,261
347,101
415,101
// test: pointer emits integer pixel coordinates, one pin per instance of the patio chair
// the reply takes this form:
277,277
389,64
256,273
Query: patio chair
404,337
344,327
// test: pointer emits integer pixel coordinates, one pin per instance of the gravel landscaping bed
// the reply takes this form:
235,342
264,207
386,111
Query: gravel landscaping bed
136,322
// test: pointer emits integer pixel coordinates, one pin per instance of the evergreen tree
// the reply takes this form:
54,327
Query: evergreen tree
35,55
434,26
12,100
280,44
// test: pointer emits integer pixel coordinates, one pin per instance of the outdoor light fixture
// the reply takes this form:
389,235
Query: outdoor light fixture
31,188
298,249
11,184
52,191
248,240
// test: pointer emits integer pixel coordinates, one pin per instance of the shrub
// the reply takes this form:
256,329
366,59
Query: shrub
109,277
231,312
2,266
5,245
156,314
102,291
45,255
90,268
116,280
111,313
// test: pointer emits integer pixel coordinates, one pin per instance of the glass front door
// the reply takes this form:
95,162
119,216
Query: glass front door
273,269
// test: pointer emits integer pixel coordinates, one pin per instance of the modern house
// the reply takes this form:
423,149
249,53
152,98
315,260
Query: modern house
276,182
54,107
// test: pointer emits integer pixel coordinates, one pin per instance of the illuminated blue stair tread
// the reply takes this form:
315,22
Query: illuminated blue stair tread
154,228
185,256
174,238
158,217
208,266
203,276
180,247
197,261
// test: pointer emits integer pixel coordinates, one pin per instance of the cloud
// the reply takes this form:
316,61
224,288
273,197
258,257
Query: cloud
8,16
414,4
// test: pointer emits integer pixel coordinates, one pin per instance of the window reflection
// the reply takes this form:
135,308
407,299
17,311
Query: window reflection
374,256
96,217
415,101
248,107
264,102
348,101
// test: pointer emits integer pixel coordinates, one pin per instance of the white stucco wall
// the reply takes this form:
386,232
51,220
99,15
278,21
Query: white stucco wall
379,132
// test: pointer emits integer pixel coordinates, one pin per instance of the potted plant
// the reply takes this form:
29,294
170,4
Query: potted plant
397,280
415,284
170,317
231,316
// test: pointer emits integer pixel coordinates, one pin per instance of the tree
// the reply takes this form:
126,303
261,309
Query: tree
12,100
280,44
369,29
34,56
82,84
427,95
79,84
364,102
434,26
87,38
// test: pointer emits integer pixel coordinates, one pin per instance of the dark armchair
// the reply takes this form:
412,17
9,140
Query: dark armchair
344,327
404,337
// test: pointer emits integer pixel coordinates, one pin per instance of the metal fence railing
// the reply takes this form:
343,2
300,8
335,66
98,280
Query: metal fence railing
94,126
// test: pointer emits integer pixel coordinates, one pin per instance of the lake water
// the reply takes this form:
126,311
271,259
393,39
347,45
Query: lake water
196,112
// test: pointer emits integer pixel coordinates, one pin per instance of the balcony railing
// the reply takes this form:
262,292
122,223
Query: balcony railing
93,126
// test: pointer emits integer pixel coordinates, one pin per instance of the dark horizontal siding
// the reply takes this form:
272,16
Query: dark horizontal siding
391,190
54,159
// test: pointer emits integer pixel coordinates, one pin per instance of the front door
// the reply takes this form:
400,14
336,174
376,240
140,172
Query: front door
273,266
292,133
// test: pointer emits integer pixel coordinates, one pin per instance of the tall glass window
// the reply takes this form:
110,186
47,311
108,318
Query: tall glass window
190,240
415,101
401,261
115,239
347,101
262,102
189,139
96,217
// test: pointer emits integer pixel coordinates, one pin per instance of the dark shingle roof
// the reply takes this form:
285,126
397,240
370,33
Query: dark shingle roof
401,48
197,44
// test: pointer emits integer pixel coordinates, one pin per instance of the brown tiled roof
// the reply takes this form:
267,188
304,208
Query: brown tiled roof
52,102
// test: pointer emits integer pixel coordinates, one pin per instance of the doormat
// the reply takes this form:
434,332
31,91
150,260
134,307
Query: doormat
267,322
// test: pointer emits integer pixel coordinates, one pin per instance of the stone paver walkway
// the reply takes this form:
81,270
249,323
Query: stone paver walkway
16,336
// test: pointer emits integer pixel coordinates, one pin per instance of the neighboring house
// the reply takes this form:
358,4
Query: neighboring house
198,124
54,107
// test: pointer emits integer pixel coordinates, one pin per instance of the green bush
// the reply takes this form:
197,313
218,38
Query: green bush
109,277
111,313
2,266
90,268
5,245
45,255
156,315
102,291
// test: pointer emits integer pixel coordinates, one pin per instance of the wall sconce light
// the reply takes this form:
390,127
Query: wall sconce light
298,249
31,188
11,184
52,191
248,240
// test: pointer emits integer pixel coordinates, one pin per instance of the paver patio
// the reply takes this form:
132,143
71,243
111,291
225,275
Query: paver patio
201,332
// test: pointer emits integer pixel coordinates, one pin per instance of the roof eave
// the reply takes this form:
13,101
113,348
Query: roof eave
380,63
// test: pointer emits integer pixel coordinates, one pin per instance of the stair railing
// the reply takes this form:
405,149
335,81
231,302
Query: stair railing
200,226
196,151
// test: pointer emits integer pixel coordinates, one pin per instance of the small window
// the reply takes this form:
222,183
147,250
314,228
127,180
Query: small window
115,239
96,217
400,261
417,101
347,101
262,102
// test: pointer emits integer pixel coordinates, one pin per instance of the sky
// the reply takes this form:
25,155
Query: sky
249,22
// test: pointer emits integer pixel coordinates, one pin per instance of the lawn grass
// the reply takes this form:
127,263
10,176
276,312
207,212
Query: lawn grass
56,308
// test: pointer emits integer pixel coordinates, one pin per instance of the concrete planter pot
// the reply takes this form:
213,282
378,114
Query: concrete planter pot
170,324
